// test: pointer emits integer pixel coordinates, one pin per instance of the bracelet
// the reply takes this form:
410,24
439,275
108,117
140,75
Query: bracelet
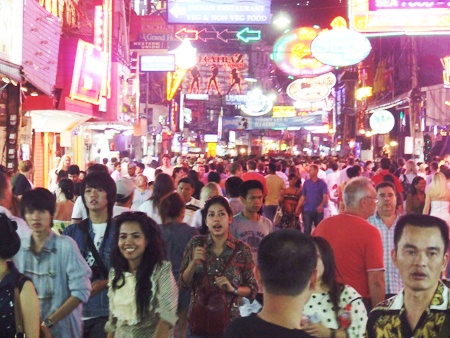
333,333
236,291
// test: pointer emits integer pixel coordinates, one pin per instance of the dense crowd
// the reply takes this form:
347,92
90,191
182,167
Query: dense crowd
226,247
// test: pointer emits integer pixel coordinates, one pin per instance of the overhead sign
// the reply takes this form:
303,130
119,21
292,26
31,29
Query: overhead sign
406,16
157,63
257,104
247,123
292,53
382,121
218,12
150,32
340,46
245,35
311,89
217,74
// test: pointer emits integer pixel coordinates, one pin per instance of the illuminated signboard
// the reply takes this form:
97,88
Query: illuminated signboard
392,16
292,53
382,121
284,111
340,46
88,73
157,63
254,12
217,74
311,89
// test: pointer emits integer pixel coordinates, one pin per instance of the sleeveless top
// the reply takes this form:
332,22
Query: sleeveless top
7,285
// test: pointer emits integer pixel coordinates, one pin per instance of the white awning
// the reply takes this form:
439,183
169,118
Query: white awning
55,121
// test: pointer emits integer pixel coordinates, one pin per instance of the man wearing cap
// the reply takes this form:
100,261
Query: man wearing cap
124,198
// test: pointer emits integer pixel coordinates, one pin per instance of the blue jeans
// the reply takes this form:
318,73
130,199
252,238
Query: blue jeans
310,217
270,211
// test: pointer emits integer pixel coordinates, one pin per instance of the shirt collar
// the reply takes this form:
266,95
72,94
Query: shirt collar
48,246
231,241
438,302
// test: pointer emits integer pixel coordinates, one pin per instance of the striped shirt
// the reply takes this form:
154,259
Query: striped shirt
392,277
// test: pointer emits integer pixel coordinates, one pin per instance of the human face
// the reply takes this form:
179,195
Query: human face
253,201
420,186
218,220
40,221
131,170
387,201
166,161
313,172
185,190
67,161
420,258
201,170
368,203
132,243
73,178
96,199
141,182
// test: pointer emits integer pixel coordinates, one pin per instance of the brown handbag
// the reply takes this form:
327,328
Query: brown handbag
44,332
210,312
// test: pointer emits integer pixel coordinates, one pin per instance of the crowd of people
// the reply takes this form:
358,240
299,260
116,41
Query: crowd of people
255,247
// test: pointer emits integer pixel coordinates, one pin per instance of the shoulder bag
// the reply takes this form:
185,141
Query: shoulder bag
210,311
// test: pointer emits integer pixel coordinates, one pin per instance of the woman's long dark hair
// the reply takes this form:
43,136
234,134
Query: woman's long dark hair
329,271
163,185
153,255
414,182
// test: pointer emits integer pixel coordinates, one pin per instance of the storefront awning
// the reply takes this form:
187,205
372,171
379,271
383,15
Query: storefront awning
11,70
389,102
55,121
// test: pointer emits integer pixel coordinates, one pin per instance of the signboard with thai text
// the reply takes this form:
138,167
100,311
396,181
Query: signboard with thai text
255,12
406,16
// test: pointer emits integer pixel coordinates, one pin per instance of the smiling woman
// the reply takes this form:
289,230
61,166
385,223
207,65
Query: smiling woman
142,296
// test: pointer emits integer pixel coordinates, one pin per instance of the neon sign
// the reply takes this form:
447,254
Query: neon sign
292,53
89,73
381,17
340,46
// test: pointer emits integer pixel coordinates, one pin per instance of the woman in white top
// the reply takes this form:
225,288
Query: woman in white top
334,310
163,185
437,200
142,297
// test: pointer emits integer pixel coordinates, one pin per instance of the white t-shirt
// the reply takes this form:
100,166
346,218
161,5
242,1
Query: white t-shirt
79,210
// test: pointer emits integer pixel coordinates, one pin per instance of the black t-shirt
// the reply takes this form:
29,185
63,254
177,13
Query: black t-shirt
255,327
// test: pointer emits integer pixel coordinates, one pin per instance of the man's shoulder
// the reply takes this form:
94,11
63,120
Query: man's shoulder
342,223
255,327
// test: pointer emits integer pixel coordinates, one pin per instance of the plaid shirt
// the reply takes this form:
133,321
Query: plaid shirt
392,277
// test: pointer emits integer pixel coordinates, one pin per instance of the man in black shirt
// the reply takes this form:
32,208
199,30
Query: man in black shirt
286,269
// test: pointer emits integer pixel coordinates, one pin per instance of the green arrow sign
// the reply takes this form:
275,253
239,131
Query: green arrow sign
246,35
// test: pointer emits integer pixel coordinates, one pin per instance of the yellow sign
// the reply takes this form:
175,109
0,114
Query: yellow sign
284,111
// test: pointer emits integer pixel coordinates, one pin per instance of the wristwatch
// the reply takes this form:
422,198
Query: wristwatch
48,323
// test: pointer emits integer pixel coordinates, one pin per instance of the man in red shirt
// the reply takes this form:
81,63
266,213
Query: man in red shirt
356,243
252,174
385,163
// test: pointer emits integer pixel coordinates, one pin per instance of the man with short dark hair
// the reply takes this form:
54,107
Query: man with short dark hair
286,269
275,186
233,190
94,237
186,189
249,226
385,220
385,164
73,173
252,174
313,200
422,309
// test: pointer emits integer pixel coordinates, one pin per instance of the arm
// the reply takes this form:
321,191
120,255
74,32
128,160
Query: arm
65,309
198,254
409,204
376,286
299,207
162,329
31,311
426,208
322,205
98,286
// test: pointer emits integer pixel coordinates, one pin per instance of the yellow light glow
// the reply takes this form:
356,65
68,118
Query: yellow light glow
363,92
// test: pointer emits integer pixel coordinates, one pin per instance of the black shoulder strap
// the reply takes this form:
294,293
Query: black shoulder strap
93,249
